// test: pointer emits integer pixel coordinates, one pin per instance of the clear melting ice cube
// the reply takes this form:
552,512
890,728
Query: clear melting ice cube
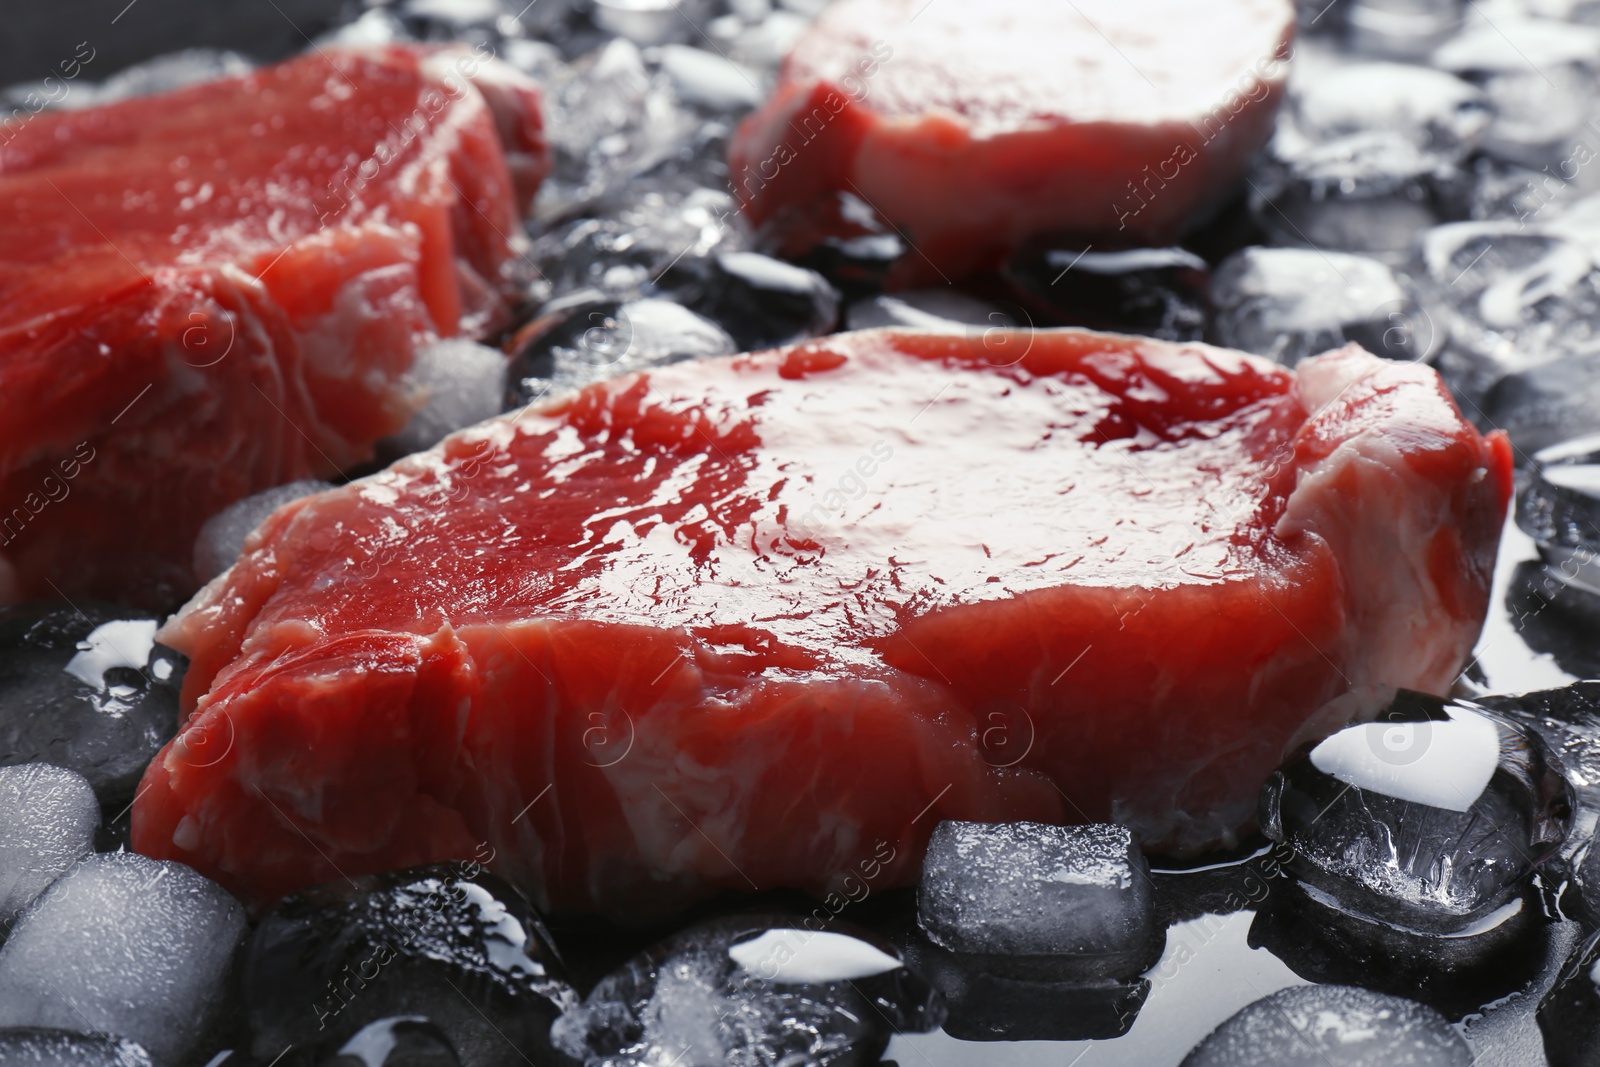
1292,303
1332,1026
123,945
449,942
48,818
751,991
586,337
1429,820
1029,889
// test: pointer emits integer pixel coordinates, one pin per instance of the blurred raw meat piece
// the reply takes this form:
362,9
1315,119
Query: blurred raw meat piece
219,290
972,124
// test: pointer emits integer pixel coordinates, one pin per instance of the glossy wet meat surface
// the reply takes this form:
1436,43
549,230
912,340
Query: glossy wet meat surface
741,623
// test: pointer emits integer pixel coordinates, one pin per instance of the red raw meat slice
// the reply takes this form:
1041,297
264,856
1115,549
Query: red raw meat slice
764,621
211,292
972,124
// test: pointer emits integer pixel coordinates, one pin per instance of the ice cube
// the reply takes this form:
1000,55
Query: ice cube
1437,112
1289,303
1543,405
88,690
990,998
47,821
1371,192
1028,889
1157,292
403,1041
1504,192
659,241
764,302
1539,75
586,338
1455,974
1569,720
1509,297
1429,819
710,81
449,942
1400,29
1332,1026
124,945
751,989
1560,509
464,383
222,538
36,1047
611,120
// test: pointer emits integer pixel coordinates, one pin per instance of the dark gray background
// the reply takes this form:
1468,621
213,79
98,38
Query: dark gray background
37,35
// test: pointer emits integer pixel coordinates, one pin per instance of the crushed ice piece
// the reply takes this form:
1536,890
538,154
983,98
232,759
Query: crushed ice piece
609,121
1028,889
86,690
1291,303
764,302
659,241
1509,298
1400,29
1435,111
48,818
1370,192
221,540
585,338
730,991
1539,75
124,945
1332,1026
1517,45
464,382
450,942
1560,509
38,1047
710,81
403,1041
1397,820
1156,292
